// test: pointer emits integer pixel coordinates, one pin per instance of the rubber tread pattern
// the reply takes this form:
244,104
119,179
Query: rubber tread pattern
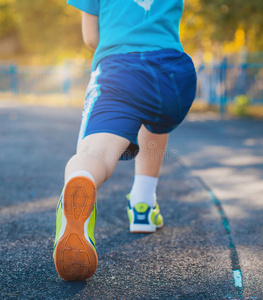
75,258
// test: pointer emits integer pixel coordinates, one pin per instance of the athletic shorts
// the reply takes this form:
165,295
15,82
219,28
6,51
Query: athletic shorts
154,88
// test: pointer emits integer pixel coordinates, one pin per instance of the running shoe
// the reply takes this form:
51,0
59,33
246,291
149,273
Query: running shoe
144,218
75,254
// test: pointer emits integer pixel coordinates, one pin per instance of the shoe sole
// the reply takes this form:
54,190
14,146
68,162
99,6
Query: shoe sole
75,258
144,228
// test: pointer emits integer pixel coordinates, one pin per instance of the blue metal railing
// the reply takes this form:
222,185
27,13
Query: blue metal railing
44,80
221,84
217,84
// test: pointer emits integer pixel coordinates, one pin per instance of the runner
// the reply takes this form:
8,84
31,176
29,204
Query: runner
142,85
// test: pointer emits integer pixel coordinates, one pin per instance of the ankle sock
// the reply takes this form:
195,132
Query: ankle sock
144,190
80,173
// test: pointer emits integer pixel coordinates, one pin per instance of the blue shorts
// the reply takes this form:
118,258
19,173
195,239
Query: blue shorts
154,88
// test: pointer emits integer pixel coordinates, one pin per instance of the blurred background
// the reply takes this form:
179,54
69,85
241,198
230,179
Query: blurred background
42,53
217,181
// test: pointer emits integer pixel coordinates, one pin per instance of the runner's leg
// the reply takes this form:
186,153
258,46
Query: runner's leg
147,166
97,154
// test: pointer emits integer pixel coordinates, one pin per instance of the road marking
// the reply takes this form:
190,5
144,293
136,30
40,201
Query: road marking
236,270
238,278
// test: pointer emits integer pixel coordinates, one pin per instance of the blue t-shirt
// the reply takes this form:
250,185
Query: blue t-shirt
134,25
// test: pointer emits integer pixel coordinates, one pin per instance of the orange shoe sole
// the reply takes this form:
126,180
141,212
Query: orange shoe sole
75,258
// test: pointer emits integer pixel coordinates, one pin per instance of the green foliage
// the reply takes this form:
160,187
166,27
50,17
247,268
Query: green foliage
241,103
46,28
226,16
7,23
51,29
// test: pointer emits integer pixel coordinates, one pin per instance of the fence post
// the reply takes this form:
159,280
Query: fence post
14,84
66,79
223,87
242,79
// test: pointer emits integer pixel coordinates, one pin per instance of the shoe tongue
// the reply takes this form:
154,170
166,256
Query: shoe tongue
141,207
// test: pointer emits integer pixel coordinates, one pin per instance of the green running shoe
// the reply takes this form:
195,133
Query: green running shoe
144,218
75,254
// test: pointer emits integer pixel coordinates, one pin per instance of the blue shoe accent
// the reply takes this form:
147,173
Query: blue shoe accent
141,218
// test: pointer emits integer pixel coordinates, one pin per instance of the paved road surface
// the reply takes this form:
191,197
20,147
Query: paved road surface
228,155
188,259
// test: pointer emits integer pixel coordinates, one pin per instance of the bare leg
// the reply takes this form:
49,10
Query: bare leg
152,150
97,154
75,254
147,166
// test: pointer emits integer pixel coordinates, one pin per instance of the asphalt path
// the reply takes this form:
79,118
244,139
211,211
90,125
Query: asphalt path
190,258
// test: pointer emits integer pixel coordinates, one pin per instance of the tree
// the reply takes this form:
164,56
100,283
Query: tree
49,30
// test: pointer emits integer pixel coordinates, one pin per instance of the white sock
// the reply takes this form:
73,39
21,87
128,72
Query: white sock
143,190
80,173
